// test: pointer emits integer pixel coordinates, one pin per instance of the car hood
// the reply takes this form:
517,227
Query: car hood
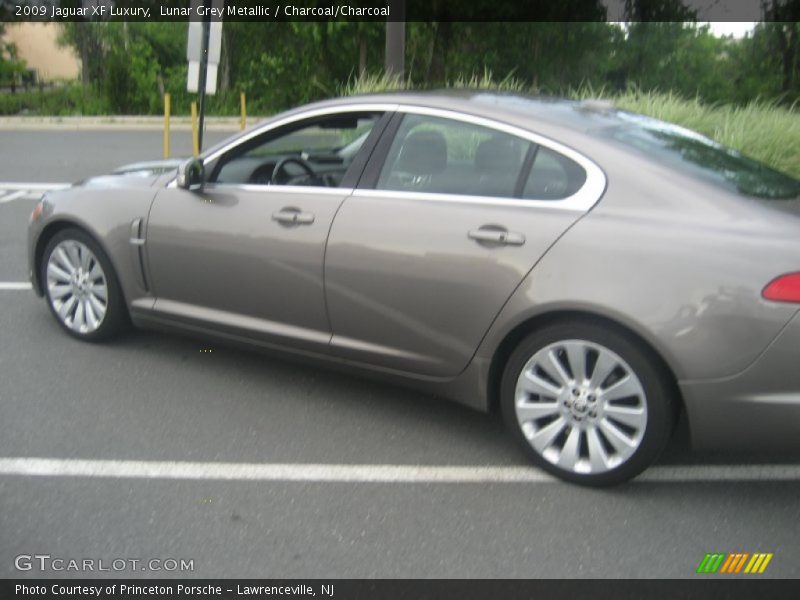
141,174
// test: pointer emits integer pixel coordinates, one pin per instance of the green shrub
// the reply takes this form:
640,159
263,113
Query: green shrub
61,100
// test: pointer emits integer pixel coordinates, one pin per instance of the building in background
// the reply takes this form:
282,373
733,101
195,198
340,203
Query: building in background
37,45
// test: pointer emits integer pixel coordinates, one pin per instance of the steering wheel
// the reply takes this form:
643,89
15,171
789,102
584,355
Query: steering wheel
276,180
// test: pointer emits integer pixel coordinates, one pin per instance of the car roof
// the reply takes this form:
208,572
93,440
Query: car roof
510,107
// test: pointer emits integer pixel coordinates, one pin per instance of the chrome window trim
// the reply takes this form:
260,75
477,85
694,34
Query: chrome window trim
582,200
470,199
282,189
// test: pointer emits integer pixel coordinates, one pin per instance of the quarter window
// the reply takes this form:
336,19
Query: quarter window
553,176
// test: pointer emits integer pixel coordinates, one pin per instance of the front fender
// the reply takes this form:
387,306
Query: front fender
104,213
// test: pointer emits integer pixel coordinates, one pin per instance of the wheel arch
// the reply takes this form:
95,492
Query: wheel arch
521,330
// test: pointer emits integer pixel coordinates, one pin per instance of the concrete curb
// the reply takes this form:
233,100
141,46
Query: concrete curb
141,123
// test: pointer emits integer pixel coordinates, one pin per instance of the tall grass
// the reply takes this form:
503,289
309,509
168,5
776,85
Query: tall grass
372,83
486,81
760,129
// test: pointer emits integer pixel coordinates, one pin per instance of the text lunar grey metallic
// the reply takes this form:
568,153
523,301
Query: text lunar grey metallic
588,271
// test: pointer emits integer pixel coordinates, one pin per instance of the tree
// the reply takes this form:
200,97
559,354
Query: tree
784,31
12,67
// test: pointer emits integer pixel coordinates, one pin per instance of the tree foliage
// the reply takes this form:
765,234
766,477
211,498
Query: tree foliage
11,66
279,65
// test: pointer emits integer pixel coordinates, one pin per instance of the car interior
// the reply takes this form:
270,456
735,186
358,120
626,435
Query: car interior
313,153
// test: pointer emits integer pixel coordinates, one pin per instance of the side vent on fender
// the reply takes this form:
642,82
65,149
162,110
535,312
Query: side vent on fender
137,252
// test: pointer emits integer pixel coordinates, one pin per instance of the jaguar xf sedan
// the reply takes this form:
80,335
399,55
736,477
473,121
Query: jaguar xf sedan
589,273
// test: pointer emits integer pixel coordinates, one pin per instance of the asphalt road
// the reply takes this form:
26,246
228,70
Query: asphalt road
152,399
67,155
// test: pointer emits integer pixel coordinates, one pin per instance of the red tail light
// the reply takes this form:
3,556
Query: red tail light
785,288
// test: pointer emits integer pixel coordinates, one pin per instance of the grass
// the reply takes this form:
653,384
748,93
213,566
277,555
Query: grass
761,129
371,83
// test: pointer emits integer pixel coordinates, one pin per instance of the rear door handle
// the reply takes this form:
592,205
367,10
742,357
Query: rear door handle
291,215
496,236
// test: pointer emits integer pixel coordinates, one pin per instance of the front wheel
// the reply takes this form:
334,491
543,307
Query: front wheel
81,288
590,404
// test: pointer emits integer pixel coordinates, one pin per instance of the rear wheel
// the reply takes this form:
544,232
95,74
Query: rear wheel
81,288
590,404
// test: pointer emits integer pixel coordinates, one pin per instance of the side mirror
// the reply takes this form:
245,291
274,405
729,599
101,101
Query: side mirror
191,175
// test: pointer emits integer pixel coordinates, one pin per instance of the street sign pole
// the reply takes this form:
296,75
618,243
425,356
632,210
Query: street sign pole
203,72
203,50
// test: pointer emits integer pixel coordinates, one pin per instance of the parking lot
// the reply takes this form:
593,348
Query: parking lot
164,447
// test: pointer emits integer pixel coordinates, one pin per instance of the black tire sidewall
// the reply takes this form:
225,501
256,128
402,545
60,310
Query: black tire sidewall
661,411
115,318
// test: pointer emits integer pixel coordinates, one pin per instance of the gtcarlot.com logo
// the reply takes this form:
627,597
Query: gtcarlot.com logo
735,563
46,562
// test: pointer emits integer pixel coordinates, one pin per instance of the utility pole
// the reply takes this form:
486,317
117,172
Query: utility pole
396,39
203,71
203,49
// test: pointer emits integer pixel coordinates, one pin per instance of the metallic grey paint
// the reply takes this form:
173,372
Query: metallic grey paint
392,284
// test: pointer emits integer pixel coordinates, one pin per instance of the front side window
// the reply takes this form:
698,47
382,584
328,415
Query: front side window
316,152
436,155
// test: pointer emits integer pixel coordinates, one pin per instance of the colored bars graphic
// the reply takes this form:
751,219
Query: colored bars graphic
733,563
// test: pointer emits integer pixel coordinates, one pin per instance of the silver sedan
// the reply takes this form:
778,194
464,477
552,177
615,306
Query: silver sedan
587,272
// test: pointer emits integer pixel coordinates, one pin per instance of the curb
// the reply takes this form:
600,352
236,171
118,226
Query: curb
144,123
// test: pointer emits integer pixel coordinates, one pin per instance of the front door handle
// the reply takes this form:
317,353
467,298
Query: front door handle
496,236
291,216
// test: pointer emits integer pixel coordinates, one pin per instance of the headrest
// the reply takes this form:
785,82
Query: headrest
495,155
423,153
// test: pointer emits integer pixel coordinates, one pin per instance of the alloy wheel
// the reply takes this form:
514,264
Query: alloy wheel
580,406
77,287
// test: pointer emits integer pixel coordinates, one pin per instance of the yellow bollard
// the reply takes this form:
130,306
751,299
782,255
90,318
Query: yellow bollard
195,140
243,118
166,125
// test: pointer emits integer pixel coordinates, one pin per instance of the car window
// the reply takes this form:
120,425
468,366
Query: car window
553,176
693,153
316,152
431,154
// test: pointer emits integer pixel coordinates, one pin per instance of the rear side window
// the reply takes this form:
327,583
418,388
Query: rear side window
692,153
553,176
436,155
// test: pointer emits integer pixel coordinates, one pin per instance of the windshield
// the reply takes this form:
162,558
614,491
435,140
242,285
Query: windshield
691,152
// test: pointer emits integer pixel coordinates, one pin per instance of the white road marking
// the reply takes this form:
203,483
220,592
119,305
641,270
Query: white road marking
15,285
10,191
54,467
40,187
13,196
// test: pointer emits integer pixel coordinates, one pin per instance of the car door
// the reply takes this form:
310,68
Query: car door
244,255
451,214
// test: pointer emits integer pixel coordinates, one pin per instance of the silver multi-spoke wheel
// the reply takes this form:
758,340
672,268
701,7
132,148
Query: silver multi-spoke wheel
580,406
77,287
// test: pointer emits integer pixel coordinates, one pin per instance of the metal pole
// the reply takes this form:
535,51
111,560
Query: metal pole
195,141
203,72
166,124
396,39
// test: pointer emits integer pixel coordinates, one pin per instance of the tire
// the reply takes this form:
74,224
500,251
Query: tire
81,287
589,403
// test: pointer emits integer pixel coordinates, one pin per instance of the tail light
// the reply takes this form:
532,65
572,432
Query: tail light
785,288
